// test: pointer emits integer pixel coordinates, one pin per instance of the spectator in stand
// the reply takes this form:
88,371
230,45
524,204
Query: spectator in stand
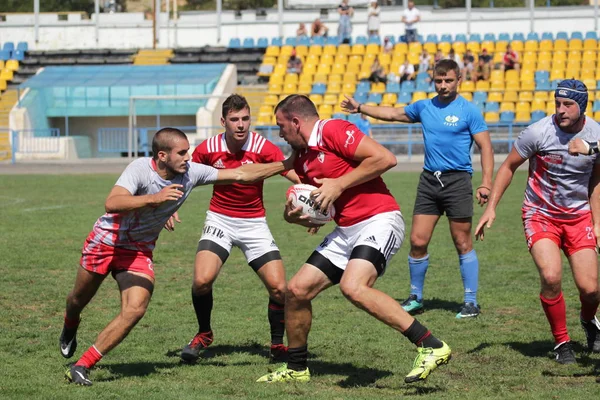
318,28
456,58
388,47
438,56
468,66
364,125
377,72
294,65
487,57
511,59
424,61
373,19
345,25
301,31
410,17
406,71
482,71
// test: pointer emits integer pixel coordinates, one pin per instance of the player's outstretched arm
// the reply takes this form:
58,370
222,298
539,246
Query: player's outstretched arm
503,180
249,173
121,200
384,113
595,201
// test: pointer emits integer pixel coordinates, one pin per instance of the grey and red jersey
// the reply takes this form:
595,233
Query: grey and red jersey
558,183
138,229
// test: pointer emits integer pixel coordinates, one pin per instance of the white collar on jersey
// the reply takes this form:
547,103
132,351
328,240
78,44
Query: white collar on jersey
254,143
317,132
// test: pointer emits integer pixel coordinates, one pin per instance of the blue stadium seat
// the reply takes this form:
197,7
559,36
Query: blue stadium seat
290,41
361,39
303,41
318,40
423,77
480,106
562,35
460,37
591,35
404,98
492,106
5,55
248,43
542,85
489,37
518,36
537,115
8,46
402,38
547,36
353,118
504,37
18,55
318,88
22,46
533,36
361,97
277,41
479,97
507,116
262,43
374,39
407,86
577,35
363,87
431,38
334,40
423,86
554,84
446,37
596,106
340,116
392,87
420,39
542,75
475,37
235,43
597,84
374,98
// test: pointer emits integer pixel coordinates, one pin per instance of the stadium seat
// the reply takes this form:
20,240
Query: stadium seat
374,98
404,97
522,117
339,116
475,37
13,65
533,36
482,85
389,98
417,96
460,37
374,39
317,41
538,105
480,97
495,97
407,86
492,106
467,95
277,41
446,37
319,88
234,43
378,87
6,75
537,115
546,45
361,97
507,106
23,46
507,116
8,46
431,38
491,117
392,87
290,41
562,35
18,55
489,37
504,37
262,43
518,36
330,99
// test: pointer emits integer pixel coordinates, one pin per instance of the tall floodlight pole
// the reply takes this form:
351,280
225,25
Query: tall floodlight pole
175,16
156,22
97,12
531,11
280,16
168,5
36,19
596,15
468,5
219,11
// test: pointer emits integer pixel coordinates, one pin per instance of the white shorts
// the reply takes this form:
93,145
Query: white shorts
251,235
383,232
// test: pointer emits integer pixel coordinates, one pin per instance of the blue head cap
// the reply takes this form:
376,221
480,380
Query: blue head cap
574,90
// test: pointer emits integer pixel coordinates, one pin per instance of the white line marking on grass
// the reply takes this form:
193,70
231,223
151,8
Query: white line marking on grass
6,201
43,208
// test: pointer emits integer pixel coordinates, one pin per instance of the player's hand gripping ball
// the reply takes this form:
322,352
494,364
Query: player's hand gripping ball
300,196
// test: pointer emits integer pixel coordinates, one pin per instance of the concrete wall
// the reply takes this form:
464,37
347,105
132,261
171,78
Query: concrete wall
131,30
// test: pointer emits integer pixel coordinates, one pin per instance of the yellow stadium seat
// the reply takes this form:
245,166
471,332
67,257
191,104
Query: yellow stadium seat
529,56
430,47
265,109
276,79
389,98
415,47
271,100
330,98
482,86
512,85
348,88
497,86
517,45
444,47
498,57
378,87
544,65
320,78
315,50
488,45
324,69
544,55
576,44
589,82
528,85
419,96
332,50
400,48
327,59
474,47
358,49
561,44
349,77
274,88
317,99
510,96
305,78
528,64
531,45
431,95
312,59
413,58
272,51
497,75
574,55
264,119
340,59
526,75
291,78
559,55
355,59
459,47
546,45
492,117
325,111
523,106
522,116
334,87
541,95
363,75
557,74
267,60
334,78
538,105
511,75
289,88
587,74
344,48
559,64
467,95
385,59
372,48
550,107
467,86
526,95
590,44
301,50
501,46
286,50
588,64
304,88
495,97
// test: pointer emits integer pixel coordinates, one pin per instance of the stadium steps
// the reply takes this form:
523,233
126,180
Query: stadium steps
7,101
255,95
153,57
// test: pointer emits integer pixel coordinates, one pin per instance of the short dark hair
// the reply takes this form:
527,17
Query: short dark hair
234,102
163,140
443,66
299,105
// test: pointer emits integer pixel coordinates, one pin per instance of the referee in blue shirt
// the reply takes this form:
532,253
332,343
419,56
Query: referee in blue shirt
450,125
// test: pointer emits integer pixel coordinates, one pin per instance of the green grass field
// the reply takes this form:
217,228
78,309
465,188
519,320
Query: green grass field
505,353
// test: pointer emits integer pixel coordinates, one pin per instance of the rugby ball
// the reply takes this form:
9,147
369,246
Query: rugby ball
300,196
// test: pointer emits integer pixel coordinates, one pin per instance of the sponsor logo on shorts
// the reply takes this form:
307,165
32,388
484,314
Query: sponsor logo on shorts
273,244
324,243
214,231
371,239
150,266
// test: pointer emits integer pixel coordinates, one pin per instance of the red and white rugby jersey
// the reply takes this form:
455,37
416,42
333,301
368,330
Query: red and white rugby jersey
330,154
237,200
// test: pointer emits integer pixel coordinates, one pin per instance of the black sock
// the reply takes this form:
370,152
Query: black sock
277,321
421,336
203,305
297,358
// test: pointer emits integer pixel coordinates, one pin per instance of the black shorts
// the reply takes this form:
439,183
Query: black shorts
451,193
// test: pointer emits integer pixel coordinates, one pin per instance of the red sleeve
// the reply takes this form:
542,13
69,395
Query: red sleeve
342,137
272,153
199,154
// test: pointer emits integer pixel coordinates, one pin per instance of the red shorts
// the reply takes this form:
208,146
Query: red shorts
571,235
102,259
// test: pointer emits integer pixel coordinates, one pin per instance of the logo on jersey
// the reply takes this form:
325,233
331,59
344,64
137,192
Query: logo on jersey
305,166
219,164
349,139
247,162
451,120
321,157
214,231
551,158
